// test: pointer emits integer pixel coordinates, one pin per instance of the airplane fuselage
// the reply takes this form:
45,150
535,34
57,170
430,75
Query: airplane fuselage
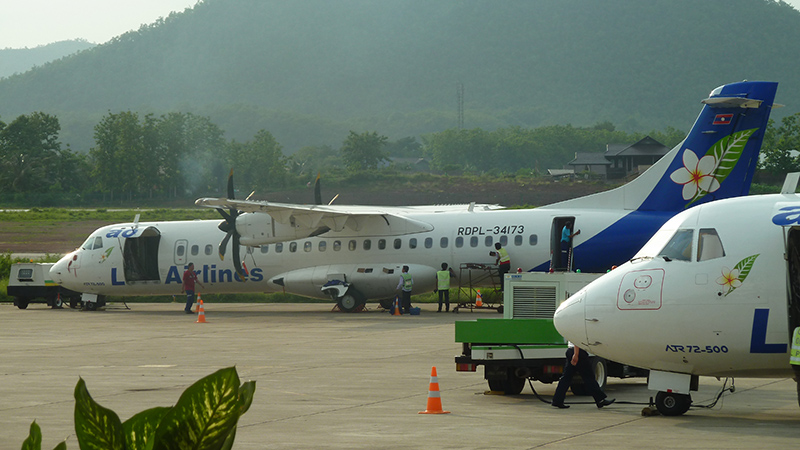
119,260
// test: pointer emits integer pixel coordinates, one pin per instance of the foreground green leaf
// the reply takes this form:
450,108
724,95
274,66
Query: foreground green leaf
34,439
140,429
96,427
204,415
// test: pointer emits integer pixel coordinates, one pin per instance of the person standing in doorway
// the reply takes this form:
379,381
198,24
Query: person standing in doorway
406,284
443,286
566,244
189,280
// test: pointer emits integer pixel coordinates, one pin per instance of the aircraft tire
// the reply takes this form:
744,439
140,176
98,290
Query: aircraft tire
90,306
671,404
351,300
21,303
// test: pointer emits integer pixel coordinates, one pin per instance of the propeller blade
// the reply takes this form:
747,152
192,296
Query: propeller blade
237,262
317,192
230,186
223,245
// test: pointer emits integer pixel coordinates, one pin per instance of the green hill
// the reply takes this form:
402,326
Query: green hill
310,70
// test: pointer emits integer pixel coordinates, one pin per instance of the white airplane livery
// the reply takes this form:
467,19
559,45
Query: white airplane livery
354,253
715,292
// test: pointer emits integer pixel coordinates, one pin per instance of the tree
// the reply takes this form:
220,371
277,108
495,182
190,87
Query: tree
29,153
259,164
117,158
780,146
363,151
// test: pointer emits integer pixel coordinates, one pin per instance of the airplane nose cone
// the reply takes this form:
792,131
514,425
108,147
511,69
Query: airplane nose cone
59,270
570,319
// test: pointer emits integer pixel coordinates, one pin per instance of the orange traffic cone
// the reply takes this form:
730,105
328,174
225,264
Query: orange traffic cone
434,400
396,311
479,299
201,312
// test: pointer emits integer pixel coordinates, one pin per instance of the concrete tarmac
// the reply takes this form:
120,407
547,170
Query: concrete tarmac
340,381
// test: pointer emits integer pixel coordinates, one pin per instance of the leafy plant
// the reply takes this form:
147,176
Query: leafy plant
205,417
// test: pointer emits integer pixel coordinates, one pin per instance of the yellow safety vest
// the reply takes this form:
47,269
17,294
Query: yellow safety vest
407,281
794,356
504,258
444,279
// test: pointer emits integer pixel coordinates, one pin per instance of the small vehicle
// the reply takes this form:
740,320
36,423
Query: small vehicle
31,283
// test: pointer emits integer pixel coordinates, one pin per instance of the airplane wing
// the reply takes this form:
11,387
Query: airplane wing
334,217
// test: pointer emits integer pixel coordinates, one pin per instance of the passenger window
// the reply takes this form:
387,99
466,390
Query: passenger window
195,250
504,240
412,243
459,242
679,248
487,241
367,244
180,251
533,240
352,245
397,244
518,240
428,242
337,245
709,245
292,247
443,242
473,241
381,244
307,246
210,248
279,247
264,249
322,246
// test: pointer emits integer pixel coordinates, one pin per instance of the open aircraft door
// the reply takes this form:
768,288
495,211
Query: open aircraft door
792,239
140,256
560,260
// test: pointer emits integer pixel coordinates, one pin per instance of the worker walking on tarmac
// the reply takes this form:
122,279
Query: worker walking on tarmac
503,262
794,359
443,286
578,361
406,283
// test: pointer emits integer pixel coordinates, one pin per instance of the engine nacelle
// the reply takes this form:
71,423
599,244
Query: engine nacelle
373,281
260,229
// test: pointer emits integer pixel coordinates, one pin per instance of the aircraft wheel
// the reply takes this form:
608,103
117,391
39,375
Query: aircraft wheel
671,404
57,303
511,385
351,300
90,306
21,303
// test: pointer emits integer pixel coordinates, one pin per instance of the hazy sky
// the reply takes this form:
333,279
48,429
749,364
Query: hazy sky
30,23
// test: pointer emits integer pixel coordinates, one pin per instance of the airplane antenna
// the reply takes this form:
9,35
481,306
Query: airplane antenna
136,221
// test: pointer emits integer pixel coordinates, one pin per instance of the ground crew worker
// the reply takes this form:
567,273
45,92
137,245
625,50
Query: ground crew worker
794,359
406,283
443,286
503,262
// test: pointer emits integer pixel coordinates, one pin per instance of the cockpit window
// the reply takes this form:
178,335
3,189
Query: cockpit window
709,245
679,247
93,243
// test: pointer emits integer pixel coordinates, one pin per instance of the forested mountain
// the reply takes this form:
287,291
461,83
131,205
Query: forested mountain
20,60
310,70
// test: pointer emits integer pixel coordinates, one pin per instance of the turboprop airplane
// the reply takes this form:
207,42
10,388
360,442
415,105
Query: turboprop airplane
354,253
715,292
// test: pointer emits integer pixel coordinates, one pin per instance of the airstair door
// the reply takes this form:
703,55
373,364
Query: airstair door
561,255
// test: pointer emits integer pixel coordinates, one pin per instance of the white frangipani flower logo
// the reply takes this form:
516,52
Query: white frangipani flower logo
696,175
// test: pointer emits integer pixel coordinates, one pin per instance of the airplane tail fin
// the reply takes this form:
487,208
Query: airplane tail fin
716,160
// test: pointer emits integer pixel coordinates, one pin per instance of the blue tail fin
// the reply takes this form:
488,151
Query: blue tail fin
716,160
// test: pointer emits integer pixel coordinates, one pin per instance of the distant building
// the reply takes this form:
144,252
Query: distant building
413,164
620,160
